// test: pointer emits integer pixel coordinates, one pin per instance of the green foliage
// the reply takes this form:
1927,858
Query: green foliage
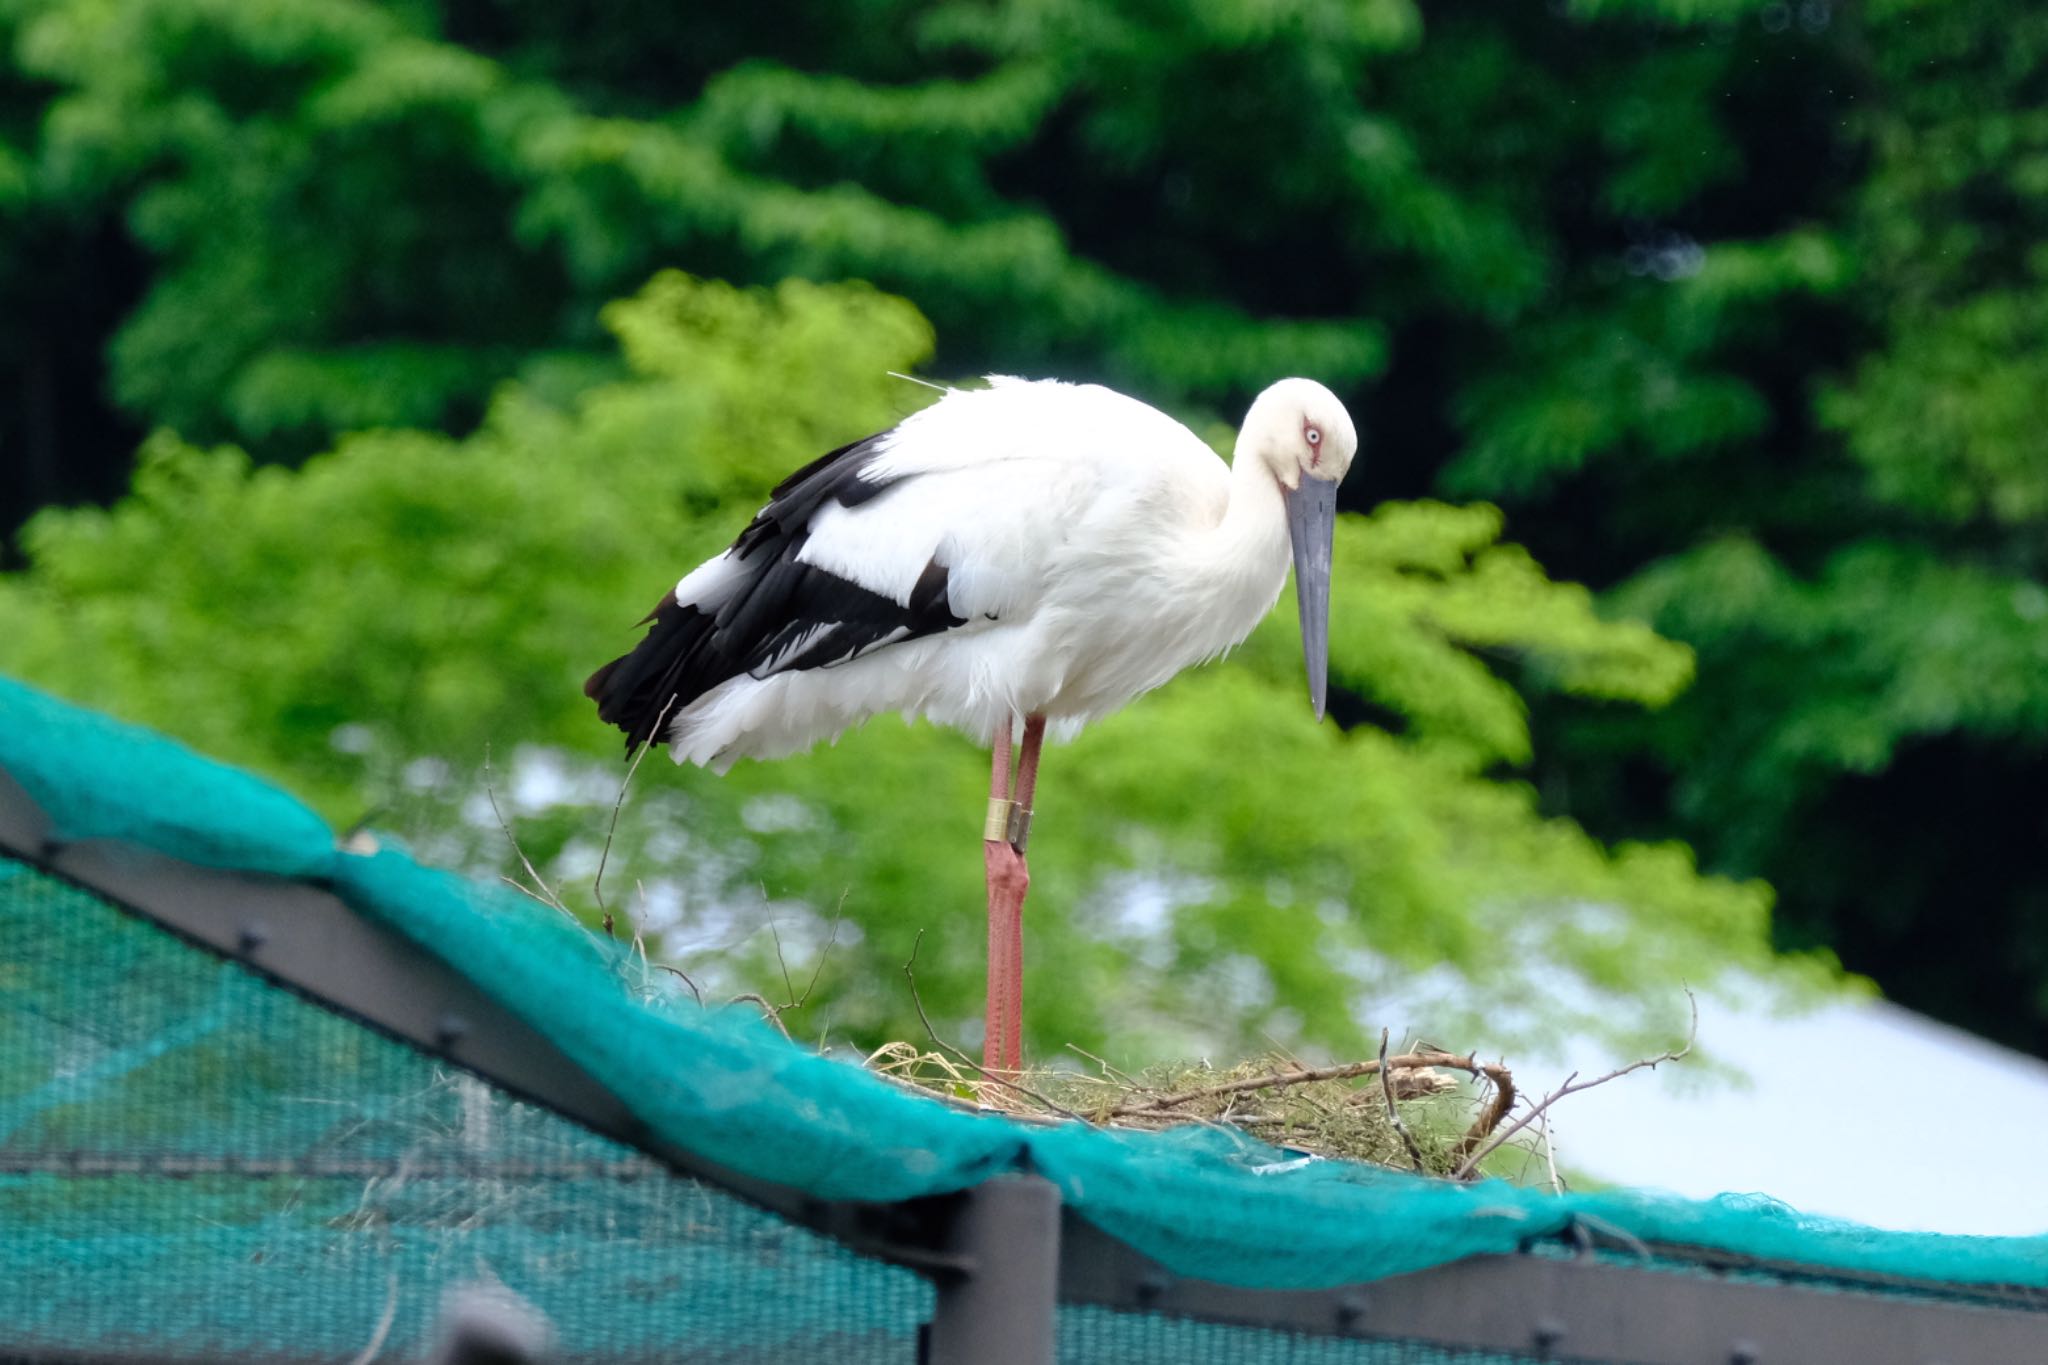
1635,373
246,141
1211,862
1818,455
1735,308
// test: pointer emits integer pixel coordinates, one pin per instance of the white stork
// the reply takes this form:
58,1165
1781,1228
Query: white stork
1011,560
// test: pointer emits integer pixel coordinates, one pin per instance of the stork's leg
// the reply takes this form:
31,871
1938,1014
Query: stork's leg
1006,882
1020,832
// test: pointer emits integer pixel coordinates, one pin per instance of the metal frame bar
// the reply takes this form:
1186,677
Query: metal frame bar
1007,1312
1005,1255
1580,1308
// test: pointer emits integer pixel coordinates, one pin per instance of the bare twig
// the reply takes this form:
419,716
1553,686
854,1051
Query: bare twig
1549,1154
685,978
1406,1061
910,975
633,923
788,987
831,941
1281,1050
772,1012
1107,1069
1492,1112
1162,1103
1573,1085
1393,1113
611,831
640,946
523,889
546,895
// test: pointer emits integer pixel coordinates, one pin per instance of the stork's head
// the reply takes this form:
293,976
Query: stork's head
1303,435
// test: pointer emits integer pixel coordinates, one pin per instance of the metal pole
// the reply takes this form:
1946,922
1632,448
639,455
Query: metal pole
1000,1307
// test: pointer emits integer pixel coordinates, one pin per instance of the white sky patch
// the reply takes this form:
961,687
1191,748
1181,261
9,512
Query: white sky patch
427,774
352,738
776,813
1860,1110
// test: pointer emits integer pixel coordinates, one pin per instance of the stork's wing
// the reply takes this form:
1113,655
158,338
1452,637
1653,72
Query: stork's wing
865,547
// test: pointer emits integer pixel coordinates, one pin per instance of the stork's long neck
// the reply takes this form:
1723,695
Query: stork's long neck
1246,555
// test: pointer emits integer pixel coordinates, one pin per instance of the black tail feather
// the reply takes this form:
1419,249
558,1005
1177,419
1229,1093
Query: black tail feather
640,691
773,612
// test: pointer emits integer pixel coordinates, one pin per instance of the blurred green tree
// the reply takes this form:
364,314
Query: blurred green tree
1735,306
1214,865
1836,492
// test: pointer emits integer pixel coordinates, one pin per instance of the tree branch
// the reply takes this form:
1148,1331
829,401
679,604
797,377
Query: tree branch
1573,1085
1394,1114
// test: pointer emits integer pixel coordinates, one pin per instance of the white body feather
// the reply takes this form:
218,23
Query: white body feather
1094,546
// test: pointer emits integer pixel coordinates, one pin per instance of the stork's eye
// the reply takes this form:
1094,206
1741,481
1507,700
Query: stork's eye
1315,437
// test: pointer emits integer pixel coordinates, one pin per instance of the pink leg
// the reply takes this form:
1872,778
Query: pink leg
1013,992
1003,868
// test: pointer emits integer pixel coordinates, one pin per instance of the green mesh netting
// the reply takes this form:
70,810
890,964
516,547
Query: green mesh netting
1101,1336
195,1164
727,1087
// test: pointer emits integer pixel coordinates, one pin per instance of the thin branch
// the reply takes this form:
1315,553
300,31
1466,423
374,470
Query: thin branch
1394,1114
1162,1103
640,945
824,954
523,889
788,987
1573,1085
1275,1080
1492,1112
546,895
685,978
772,1012
1282,1051
1550,1154
597,882
633,923
1107,1069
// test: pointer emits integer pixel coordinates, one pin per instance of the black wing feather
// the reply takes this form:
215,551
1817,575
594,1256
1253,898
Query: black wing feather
688,651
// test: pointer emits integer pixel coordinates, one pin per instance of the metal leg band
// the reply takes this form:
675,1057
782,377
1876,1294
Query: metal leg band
996,827
1019,825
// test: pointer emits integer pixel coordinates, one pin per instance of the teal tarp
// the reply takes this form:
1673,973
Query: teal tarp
727,1087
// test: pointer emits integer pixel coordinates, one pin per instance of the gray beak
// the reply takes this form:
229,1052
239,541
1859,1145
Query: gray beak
1312,526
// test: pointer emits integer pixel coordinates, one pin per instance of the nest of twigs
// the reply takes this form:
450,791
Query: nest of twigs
1426,1110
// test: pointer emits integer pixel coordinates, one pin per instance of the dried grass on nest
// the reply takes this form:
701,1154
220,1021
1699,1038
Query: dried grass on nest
1423,1117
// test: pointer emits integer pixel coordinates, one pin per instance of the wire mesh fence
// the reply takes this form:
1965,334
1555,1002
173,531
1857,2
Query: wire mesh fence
196,1164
